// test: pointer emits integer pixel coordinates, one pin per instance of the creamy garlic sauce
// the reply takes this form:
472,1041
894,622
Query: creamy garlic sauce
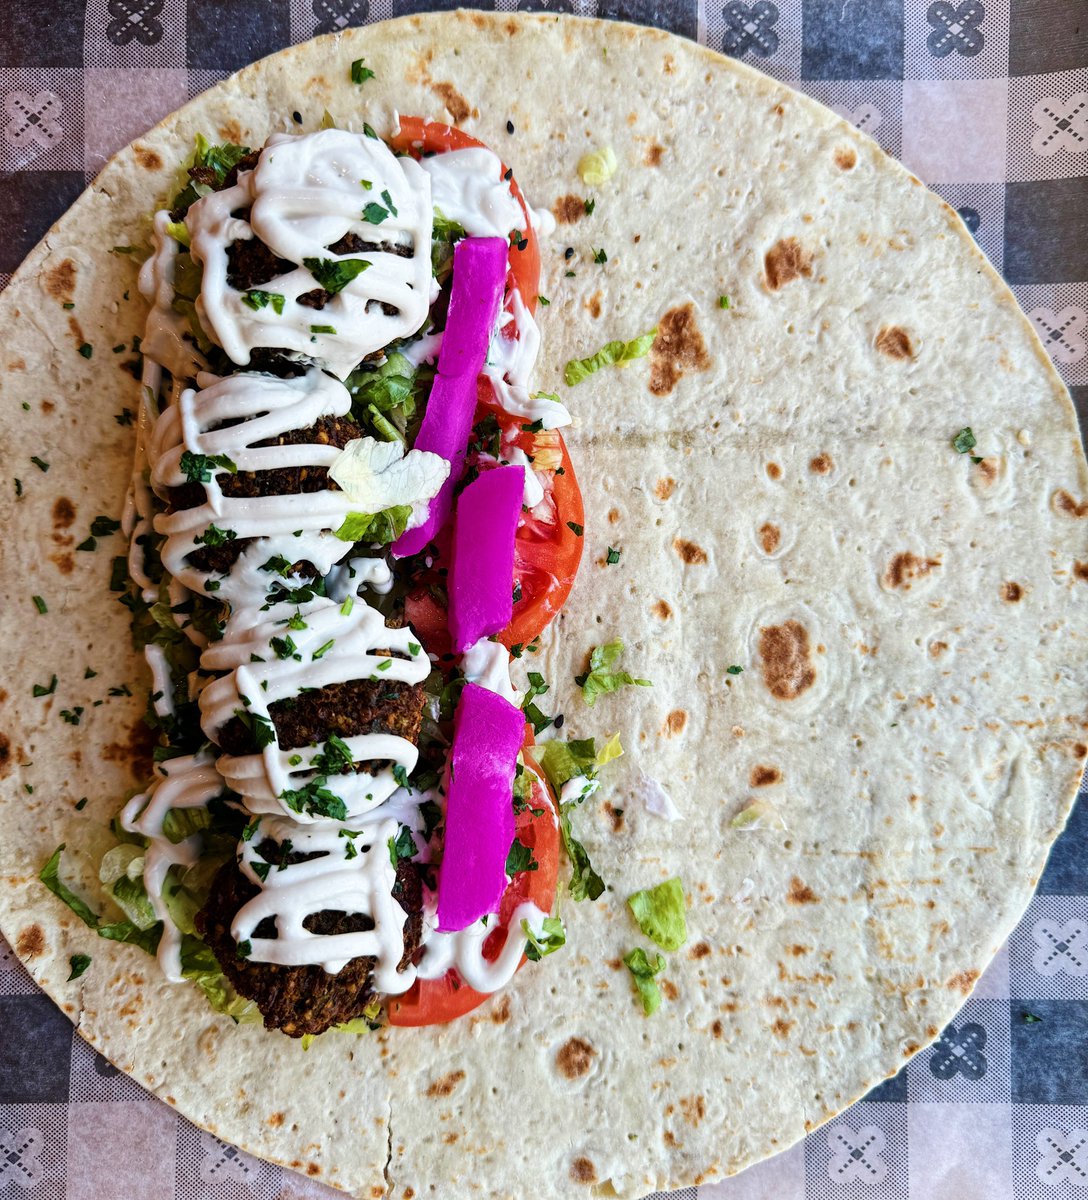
188,782
467,187
510,362
465,949
305,194
258,668
262,407
487,663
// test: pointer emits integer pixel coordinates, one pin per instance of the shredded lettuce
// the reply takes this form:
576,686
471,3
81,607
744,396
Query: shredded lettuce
562,761
660,913
611,354
585,883
601,679
760,814
551,937
50,876
377,528
598,166
643,970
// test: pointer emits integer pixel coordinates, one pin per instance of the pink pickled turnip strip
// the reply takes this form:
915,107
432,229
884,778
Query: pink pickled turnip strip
481,579
479,275
487,735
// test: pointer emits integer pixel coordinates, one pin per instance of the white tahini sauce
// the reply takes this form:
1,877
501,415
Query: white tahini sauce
467,187
305,194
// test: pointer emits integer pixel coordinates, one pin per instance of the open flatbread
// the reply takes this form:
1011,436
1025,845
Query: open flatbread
847,469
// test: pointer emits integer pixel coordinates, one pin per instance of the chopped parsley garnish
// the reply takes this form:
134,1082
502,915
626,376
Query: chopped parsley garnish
360,73
40,463
734,670
40,604
347,606
520,858
611,354
214,536
79,963
197,467
551,937
81,804
18,488
72,715
316,799
374,213
260,728
89,673
285,647
88,544
322,328
385,664
575,528
660,913
400,775
536,718
537,687
964,441
40,690
643,970
723,302
402,846
612,557
335,758
103,526
86,349
431,813
261,869
334,277
599,256
321,651
244,949
125,417
257,299
590,204
601,679
543,300
368,130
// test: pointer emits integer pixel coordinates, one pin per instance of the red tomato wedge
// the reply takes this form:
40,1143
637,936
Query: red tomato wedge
418,137
436,1001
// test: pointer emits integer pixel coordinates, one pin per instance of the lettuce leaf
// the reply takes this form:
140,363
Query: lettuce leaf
50,876
643,970
660,913
601,678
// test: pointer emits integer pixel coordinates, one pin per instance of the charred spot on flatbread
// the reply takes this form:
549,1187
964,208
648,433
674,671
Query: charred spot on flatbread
1062,502
894,341
821,464
691,553
784,659
568,209
786,261
1011,591
845,158
575,1058
905,568
678,348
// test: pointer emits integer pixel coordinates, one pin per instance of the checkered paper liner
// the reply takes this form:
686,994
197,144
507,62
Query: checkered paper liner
985,100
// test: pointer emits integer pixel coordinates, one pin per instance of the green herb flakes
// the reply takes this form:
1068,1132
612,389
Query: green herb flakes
360,72
964,441
86,349
79,963
334,277
40,604
41,690
257,299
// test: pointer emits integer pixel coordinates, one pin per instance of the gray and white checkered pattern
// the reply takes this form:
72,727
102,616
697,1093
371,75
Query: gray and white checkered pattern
987,101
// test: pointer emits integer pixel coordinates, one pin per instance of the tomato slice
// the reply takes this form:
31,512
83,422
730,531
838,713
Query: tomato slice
436,1001
418,136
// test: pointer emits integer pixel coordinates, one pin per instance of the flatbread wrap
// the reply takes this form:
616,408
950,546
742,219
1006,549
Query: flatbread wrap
836,519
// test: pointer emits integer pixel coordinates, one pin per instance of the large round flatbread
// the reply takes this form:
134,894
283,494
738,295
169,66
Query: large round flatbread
781,481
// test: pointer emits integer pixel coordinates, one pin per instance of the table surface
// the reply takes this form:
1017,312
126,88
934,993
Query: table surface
987,102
